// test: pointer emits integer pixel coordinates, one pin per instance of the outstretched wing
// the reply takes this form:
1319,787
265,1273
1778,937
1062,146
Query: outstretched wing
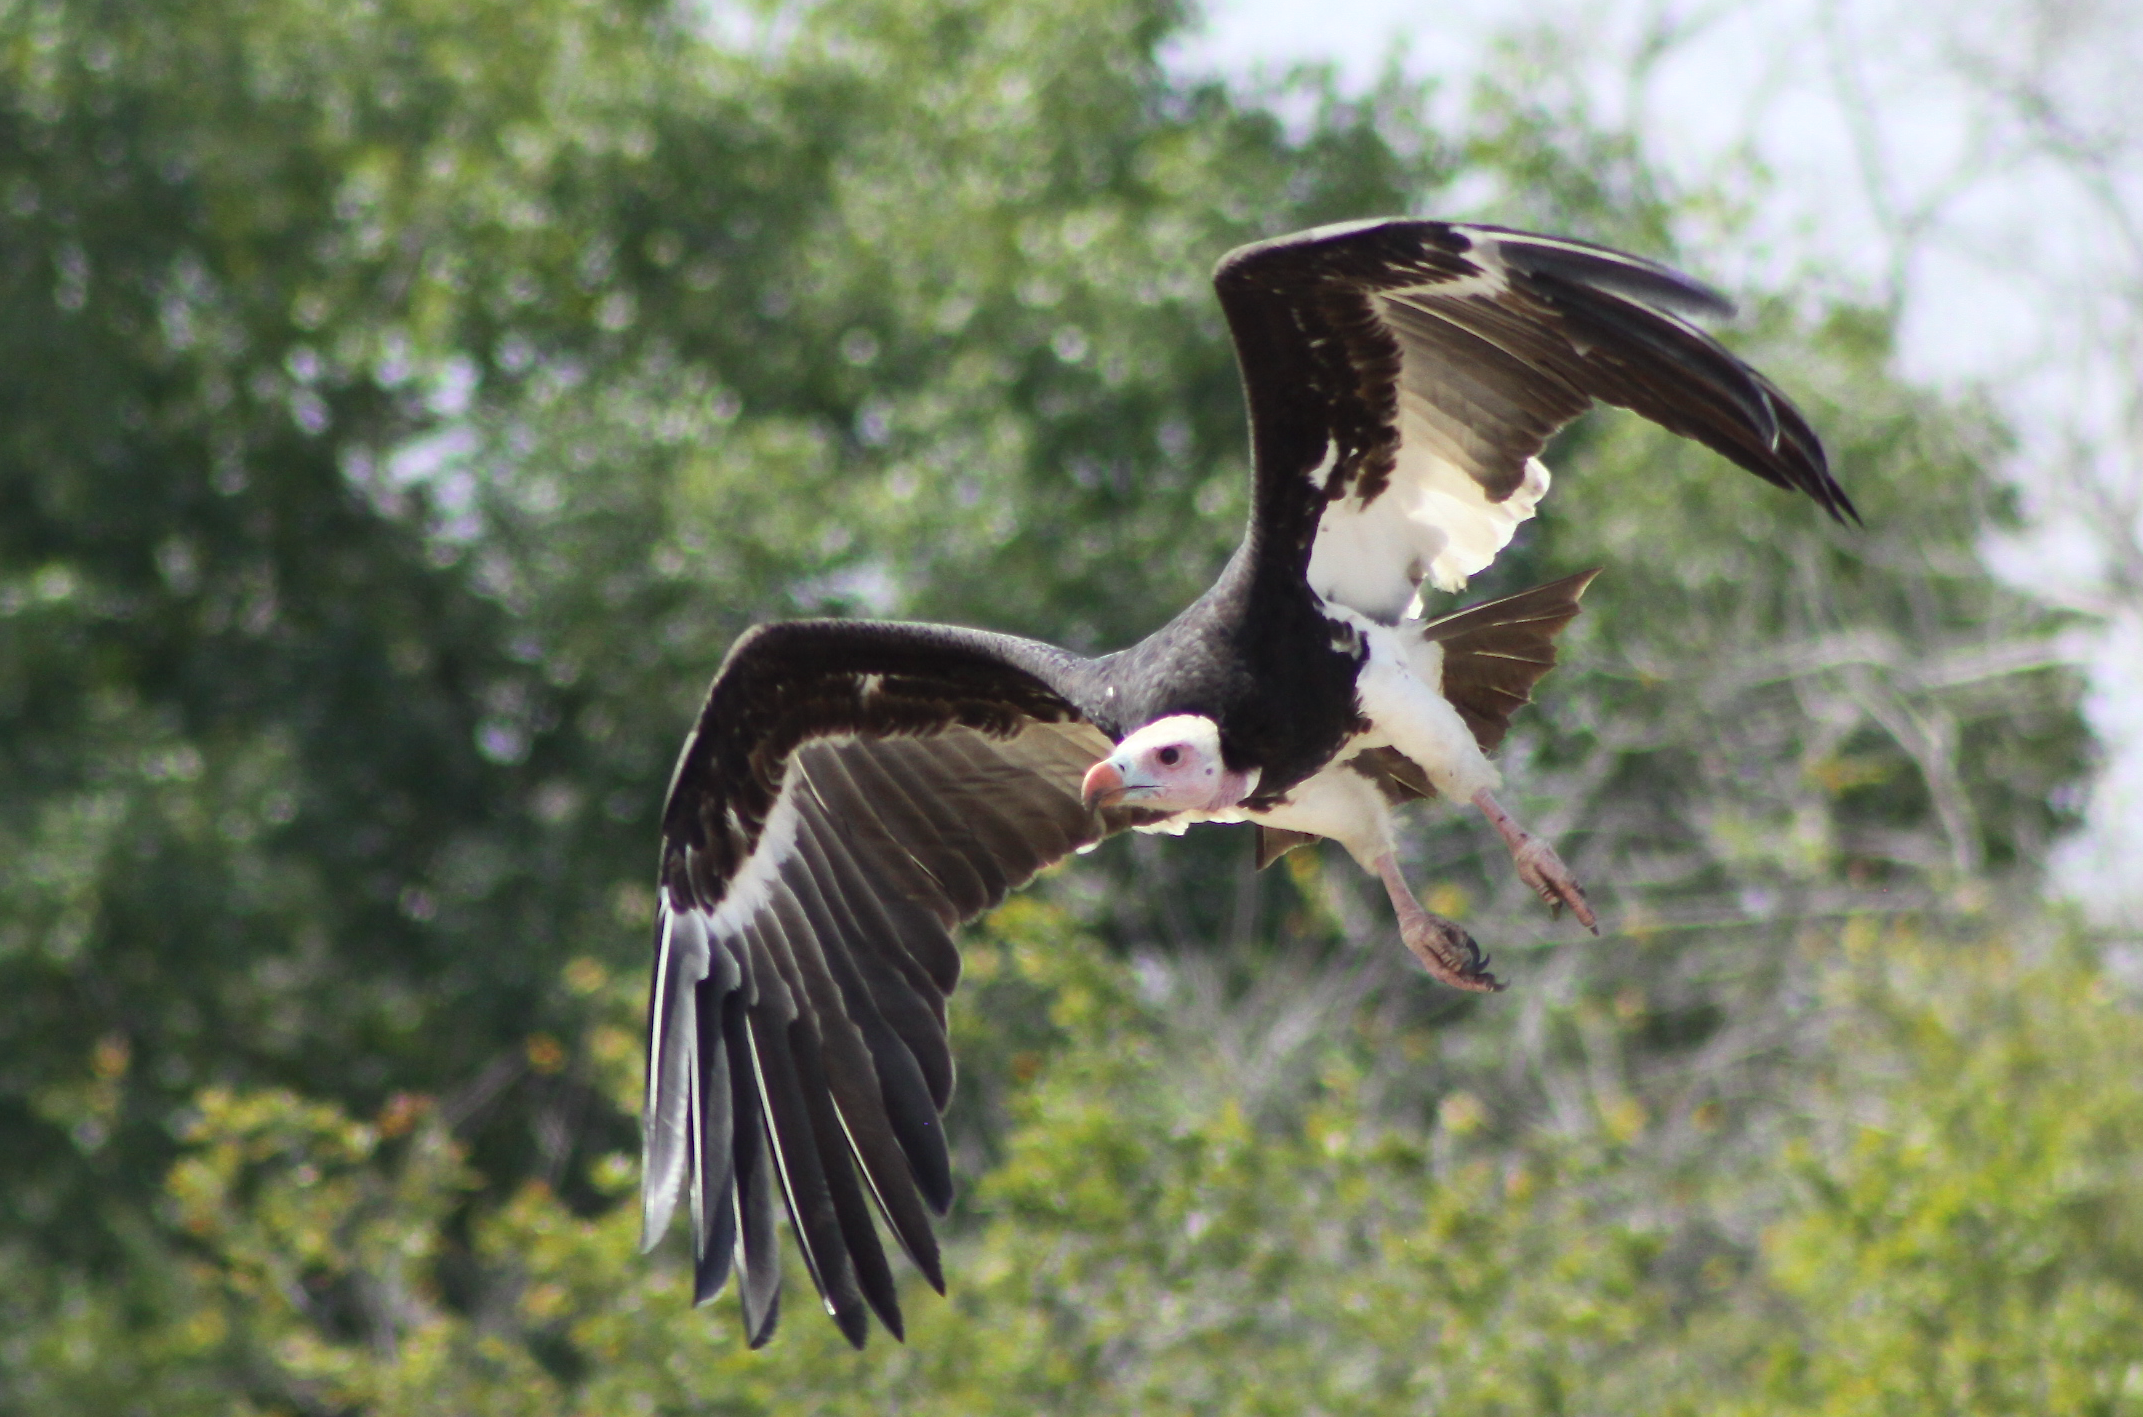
1403,377
852,792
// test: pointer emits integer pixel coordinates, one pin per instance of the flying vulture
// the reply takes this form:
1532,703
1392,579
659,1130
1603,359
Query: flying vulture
855,790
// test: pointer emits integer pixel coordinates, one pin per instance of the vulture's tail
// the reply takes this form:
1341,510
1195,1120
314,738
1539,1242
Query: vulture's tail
1495,652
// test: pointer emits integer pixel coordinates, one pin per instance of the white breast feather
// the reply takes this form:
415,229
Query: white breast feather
1418,720
1400,688
1182,822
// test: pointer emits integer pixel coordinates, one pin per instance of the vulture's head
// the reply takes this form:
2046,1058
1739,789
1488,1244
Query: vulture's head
1173,764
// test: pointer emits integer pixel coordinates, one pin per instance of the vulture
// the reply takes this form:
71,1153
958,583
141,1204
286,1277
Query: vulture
853,791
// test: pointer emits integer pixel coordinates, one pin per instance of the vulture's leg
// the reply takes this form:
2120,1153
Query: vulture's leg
1538,865
1444,949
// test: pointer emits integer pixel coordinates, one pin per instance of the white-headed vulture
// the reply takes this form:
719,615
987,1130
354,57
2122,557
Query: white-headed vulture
854,791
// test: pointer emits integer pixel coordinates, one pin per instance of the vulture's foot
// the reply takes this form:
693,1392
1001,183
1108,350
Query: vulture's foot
1449,953
1442,946
1540,868
1538,865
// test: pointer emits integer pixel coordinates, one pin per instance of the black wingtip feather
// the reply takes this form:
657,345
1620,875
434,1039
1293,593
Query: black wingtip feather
921,1134
758,1333
855,1325
883,1104
1633,303
799,1170
851,1211
714,1131
758,1256
933,1270
1707,394
710,1272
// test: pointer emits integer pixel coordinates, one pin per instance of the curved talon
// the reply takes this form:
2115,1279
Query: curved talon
1449,953
1445,950
1538,865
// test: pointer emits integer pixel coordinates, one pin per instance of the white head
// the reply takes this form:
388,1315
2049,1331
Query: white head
1171,765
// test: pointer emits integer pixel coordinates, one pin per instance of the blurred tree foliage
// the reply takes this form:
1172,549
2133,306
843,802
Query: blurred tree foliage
1952,1228
405,404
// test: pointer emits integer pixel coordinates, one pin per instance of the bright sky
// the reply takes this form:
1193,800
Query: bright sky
1893,166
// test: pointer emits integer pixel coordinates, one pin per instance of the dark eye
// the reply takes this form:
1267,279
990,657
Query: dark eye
1169,756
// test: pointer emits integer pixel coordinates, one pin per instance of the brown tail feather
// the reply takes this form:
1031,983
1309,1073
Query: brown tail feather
1276,842
1495,652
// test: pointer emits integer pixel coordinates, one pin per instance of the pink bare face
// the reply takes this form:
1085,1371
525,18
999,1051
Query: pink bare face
1171,765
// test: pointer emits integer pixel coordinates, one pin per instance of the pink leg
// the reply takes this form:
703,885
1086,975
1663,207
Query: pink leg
1538,865
1443,948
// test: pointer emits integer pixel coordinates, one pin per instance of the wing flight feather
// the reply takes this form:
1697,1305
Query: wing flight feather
853,792
1403,377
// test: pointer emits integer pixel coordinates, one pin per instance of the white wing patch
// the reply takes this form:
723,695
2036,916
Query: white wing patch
1433,523
1472,529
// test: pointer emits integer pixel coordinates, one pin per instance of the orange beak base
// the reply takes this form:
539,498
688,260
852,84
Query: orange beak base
1103,787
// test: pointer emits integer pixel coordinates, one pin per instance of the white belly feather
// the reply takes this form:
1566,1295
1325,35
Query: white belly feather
1410,713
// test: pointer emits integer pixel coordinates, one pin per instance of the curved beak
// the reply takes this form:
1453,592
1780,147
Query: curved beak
1104,785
